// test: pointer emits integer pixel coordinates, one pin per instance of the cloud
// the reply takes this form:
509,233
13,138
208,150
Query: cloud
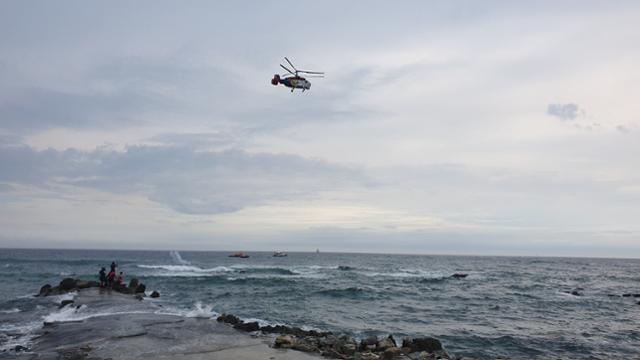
569,111
183,178
35,109
623,129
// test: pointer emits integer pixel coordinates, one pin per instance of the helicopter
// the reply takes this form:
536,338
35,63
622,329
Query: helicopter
293,80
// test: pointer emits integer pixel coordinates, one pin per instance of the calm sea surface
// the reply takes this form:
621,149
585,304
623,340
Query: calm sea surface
510,306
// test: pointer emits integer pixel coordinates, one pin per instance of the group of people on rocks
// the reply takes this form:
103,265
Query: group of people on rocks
107,280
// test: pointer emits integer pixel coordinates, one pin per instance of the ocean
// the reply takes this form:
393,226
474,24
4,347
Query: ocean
518,307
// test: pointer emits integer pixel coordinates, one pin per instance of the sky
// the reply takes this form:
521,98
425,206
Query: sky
457,127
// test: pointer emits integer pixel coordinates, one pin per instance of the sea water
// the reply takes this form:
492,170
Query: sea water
520,307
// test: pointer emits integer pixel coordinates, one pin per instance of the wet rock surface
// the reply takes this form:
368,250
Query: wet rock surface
141,331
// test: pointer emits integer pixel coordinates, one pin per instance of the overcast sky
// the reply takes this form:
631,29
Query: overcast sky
456,127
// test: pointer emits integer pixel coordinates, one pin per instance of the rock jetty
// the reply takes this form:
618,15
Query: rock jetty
67,285
280,337
344,347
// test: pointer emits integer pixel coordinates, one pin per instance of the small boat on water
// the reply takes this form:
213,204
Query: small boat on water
239,255
280,254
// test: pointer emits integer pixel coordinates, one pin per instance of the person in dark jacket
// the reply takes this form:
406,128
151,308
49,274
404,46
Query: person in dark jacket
103,277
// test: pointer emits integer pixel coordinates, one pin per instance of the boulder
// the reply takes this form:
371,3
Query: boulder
385,344
428,344
391,353
64,303
284,341
345,345
269,329
229,319
423,355
141,289
133,283
367,355
81,284
248,327
121,288
306,344
369,343
67,284
45,290
155,294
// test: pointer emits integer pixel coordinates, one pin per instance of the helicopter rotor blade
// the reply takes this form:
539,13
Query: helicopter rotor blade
289,71
294,68
311,72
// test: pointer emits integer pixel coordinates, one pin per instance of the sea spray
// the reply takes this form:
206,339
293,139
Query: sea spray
175,255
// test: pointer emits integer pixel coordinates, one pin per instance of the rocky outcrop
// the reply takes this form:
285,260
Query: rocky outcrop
229,319
427,344
248,327
459,275
45,290
155,294
69,284
343,347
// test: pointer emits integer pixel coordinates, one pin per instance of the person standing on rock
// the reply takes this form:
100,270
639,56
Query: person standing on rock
120,278
103,277
113,266
111,278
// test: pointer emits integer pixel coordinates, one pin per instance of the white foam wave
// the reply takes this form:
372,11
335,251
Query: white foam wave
178,259
10,311
187,268
202,311
71,314
405,273
21,334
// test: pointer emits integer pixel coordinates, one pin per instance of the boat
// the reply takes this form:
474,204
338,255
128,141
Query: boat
280,254
239,255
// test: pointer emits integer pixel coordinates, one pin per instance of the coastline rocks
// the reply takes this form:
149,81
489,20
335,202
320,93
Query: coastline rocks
248,327
229,319
385,344
45,290
427,344
133,283
391,353
67,284
367,356
140,289
369,343
284,341
155,294
343,347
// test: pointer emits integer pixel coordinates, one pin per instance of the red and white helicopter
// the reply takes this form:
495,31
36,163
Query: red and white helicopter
293,80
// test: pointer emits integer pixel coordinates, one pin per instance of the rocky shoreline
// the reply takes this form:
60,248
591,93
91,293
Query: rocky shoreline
144,333
344,347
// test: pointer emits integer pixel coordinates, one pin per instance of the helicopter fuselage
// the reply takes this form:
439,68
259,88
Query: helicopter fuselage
293,82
